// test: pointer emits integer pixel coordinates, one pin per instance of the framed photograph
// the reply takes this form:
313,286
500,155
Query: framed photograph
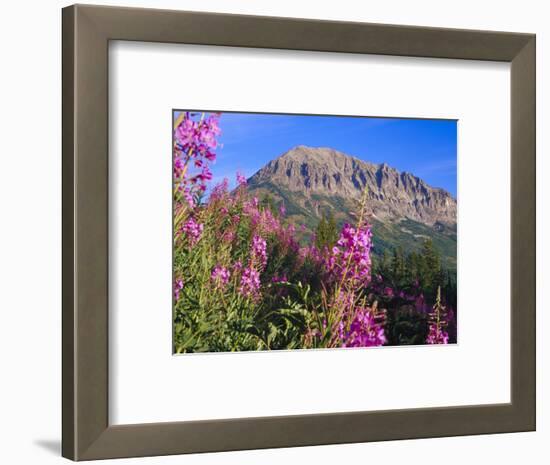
283,232
281,245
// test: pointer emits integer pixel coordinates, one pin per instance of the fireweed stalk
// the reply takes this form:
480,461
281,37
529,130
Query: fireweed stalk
351,321
195,143
438,323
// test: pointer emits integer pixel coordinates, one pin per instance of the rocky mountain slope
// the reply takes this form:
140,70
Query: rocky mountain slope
404,209
327,172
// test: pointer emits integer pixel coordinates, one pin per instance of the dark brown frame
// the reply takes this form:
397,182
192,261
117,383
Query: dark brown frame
86,430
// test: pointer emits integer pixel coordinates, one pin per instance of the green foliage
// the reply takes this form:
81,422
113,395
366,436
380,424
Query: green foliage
268,202
423,270
411,235
291,312
326,233
408,234
247,276
406,326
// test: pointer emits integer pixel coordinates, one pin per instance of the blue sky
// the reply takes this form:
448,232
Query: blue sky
425,148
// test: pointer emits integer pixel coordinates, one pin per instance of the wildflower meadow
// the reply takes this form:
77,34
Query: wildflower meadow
243,279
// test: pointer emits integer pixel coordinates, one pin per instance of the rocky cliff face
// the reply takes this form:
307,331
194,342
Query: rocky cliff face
311,174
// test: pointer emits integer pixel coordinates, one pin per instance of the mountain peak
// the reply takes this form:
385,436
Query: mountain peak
318,172
325,157
304,151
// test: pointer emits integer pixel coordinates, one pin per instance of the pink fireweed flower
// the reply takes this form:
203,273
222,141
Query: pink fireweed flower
364,330
192,230
282,210
220,276
213,123
287,240
251,211
303,253
237,267
205,174
258,251
208,138
228,236
220,190
178,286
250,283
350,257
202,178
210,156
241,180
209,130
437,335
388,291
189,198
279,278
266,221
179,166
311,253
200,136
185,133
195,142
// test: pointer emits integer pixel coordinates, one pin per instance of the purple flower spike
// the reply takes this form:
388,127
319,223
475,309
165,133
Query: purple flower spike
178,286
258,252
250,283
437,336
241,180
364,330
220,276
192,230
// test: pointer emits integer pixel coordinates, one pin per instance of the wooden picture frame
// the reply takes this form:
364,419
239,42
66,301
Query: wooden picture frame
87,433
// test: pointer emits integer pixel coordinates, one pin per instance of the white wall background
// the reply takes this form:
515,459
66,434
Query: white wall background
30,232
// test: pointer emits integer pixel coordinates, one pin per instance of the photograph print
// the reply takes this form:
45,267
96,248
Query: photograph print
312,231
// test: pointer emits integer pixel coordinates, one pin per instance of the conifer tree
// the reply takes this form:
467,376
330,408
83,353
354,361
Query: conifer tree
431,265
398,266
332,230
326,233
412,267
268,202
